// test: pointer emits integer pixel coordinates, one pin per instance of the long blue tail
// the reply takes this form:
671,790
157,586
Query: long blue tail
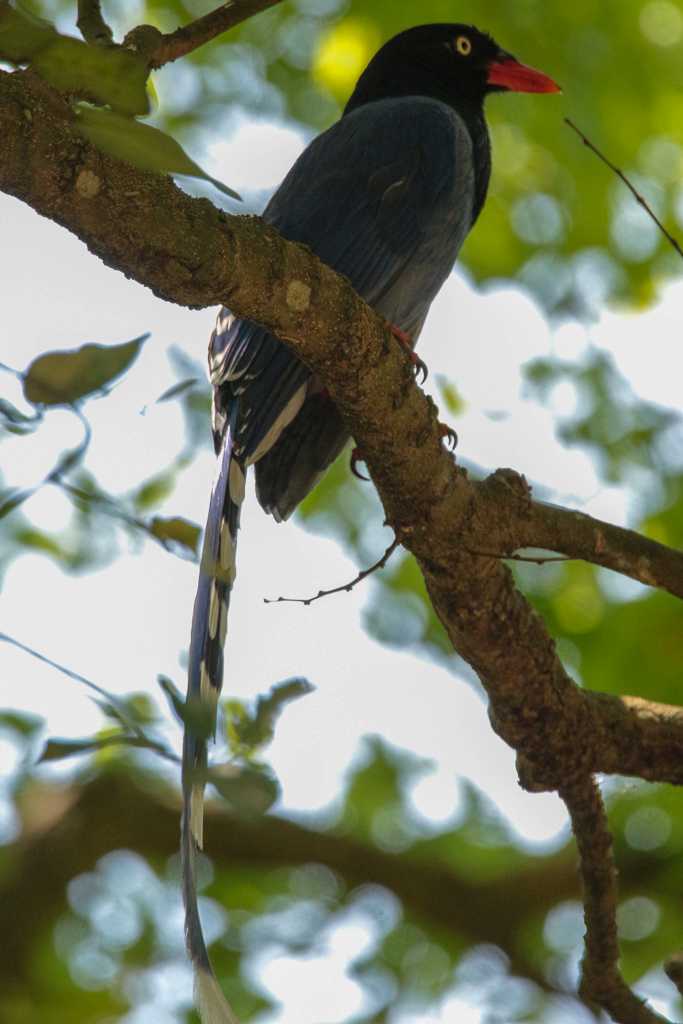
205,678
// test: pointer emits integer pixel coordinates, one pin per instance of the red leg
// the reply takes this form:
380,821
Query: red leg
406,343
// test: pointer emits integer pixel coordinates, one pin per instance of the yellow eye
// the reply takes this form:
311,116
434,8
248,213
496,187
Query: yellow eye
463,46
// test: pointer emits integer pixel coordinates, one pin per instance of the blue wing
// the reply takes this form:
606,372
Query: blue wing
386,197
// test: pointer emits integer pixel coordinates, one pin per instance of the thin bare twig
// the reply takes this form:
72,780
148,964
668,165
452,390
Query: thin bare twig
184,40
137,736
345,587
533,559
92,25
601,981
634,191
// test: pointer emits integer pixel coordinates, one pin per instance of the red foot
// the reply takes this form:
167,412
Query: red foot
356,457
406,343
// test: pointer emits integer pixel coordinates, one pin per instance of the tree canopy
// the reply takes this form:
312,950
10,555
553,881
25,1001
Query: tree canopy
567,282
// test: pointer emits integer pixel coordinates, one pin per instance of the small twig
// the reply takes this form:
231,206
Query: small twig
538,560
137,738
346,587
601,981
92,25
634,191
78,678
190,37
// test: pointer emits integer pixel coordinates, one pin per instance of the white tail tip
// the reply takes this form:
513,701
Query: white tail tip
212,1005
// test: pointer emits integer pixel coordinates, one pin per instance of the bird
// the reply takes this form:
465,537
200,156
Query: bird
386,197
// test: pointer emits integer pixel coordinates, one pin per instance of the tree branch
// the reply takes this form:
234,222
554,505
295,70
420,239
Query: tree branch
162,49
601,981
188,252
91,23
578,535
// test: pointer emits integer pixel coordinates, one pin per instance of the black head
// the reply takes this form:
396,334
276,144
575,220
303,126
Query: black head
456,64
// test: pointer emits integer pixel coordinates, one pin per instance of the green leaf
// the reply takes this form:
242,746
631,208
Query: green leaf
195,713
57,378
154,491
12,498
102,74
177,389
247,732
173,696
248,790
176,531
134,709
56,750
15,421
22,34
451,396
22,723
199,717
141,145
39,541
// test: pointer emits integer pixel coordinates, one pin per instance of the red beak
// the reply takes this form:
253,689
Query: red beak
516,77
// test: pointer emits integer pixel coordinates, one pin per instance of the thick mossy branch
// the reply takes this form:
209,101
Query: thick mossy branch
188,252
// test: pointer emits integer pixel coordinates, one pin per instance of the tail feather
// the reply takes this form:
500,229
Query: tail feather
205,678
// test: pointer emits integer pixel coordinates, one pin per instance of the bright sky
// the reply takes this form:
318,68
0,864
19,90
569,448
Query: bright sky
123,625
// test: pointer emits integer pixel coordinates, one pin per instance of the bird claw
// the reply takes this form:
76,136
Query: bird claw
406,343
450,435
356,457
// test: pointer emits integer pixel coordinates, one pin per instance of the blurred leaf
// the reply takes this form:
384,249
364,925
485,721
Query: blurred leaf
102,74
376,790
246,732
177,389
57,378
173,696
13,498
248,790
22,34
454,401
141,145
177,531
134,708
39,541
57,750
15,421
195,713
153,491
72,457
21,722
621,430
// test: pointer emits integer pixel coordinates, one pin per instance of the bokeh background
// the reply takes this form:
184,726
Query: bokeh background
400,874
